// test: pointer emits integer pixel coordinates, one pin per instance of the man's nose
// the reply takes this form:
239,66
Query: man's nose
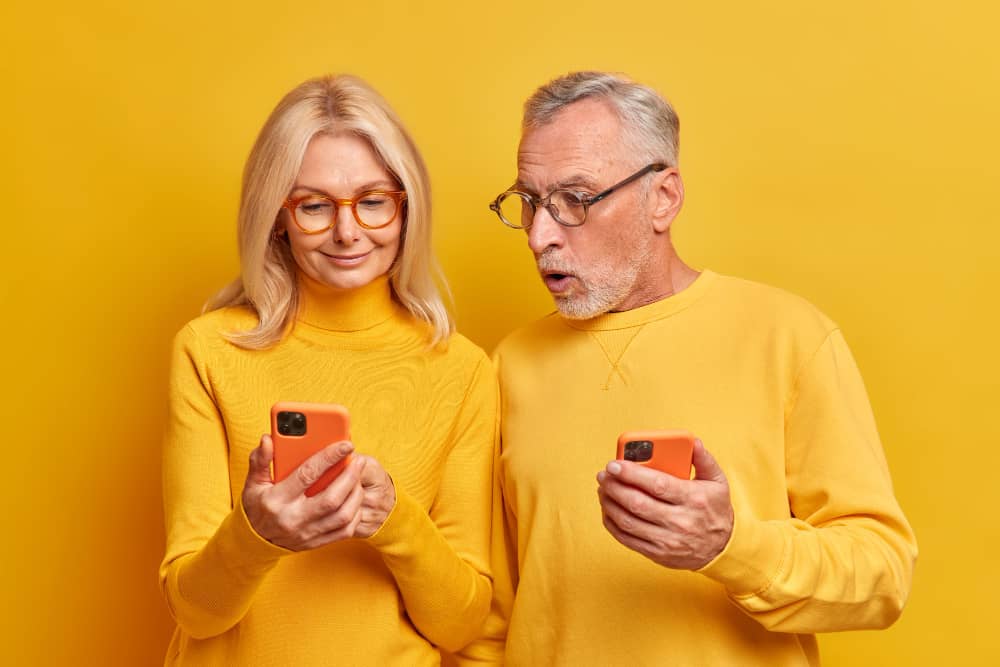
544,232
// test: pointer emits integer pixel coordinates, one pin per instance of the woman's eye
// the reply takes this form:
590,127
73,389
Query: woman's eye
315,207
373,202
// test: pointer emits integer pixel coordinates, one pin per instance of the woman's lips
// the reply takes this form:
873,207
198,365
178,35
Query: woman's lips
347,260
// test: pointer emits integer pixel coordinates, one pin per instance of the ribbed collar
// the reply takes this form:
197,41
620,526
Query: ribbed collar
334,309
651,311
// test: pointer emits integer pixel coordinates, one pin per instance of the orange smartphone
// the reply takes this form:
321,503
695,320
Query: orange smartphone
669,451
299,430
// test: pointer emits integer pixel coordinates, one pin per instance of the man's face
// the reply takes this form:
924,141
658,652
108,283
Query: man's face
597,267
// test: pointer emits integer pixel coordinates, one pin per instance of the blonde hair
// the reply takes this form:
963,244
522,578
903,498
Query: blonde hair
267,282
650,127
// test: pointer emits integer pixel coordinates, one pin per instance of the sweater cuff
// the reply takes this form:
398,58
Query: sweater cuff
245,544
395,535
751,560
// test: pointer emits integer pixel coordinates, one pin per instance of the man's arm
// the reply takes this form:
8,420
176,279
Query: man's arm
844,558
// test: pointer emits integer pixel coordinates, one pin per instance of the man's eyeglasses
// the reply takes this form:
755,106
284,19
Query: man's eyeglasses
567,207
314,213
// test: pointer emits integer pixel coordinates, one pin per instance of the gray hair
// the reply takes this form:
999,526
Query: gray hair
649,124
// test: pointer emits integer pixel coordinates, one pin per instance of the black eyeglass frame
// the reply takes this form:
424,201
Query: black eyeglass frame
586,202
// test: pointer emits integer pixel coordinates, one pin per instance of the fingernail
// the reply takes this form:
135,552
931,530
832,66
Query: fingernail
600,476
614,467
345,448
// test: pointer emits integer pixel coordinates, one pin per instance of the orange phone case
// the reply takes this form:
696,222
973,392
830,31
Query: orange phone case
325,424
669,450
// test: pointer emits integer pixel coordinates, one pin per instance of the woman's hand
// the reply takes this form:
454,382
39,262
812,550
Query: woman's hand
378,499
282,514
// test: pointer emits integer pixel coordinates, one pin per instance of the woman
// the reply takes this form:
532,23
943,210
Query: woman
336,303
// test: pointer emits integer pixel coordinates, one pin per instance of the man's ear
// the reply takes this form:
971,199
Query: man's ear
666,198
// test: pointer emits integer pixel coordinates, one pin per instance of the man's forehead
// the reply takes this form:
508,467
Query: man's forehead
578,143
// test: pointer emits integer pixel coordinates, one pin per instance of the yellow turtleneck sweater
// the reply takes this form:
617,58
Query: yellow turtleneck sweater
428,415
768,384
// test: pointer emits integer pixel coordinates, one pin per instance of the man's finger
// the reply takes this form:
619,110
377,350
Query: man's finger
705,465
634,543
629,522
658,484
634,500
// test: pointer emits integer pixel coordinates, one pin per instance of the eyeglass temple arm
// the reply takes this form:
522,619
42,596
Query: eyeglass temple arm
656,166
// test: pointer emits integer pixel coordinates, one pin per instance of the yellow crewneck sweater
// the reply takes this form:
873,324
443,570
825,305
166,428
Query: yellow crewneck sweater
768,384
429,416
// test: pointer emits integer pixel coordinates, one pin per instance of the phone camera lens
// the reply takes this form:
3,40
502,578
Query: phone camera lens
638,450
291,423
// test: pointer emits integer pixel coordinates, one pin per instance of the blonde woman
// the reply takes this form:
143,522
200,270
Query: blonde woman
336,303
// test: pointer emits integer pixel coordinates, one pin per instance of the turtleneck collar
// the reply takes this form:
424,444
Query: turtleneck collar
334,309
650,312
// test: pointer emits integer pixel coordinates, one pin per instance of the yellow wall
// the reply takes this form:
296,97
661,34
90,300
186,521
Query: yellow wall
846,151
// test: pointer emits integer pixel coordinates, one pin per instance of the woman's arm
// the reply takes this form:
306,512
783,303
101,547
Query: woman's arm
214,560
218,551
441,561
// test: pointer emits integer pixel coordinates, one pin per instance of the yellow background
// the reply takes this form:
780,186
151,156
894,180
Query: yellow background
845,151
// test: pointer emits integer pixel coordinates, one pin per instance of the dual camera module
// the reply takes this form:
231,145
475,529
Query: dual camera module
291,423
638,450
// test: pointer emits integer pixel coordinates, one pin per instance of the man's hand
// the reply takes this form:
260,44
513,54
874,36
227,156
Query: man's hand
678,523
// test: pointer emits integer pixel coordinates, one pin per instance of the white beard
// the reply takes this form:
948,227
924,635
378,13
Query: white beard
603,288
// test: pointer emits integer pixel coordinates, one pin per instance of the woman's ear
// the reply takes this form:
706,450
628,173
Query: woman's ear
280,228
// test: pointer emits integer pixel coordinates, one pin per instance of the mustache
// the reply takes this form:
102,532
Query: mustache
547,263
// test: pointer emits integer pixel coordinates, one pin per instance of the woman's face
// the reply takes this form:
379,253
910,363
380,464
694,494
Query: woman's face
342,166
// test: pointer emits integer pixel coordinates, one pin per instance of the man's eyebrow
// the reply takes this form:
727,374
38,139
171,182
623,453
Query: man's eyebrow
577,182
566,184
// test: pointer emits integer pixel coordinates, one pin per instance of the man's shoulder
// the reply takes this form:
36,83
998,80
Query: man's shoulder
769,304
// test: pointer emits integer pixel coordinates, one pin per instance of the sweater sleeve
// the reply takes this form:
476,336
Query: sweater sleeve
489,646
214,559
440,559
844,559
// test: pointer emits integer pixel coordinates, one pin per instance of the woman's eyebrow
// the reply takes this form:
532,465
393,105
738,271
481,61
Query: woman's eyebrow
381,184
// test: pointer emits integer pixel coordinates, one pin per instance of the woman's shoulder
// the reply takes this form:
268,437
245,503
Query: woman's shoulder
210,329
463,358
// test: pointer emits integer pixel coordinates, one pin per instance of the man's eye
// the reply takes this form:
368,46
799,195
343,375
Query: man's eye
571,198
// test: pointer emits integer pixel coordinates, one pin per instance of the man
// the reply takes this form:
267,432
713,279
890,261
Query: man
789,525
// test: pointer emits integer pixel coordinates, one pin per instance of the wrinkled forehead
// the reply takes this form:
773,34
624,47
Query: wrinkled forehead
579,144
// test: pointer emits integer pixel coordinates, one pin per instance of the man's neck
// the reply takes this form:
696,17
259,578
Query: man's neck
662,279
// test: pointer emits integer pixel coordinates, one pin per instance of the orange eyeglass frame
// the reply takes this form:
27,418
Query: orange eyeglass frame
399,196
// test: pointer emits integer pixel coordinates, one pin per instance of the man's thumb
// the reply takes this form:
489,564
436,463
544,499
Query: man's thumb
705,465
